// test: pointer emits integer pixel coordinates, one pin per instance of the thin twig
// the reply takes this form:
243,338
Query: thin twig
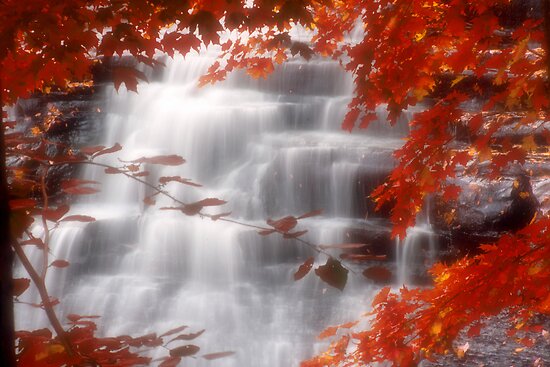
44,296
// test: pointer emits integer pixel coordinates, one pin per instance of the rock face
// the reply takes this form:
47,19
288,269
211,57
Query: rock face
522,208
495,202
69,118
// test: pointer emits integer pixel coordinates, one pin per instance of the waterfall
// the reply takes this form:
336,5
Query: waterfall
418,251
270,148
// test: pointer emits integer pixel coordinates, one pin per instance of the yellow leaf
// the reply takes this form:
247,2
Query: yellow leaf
426,177
50,350
524,195
443,277
418,37
520,50
420,93
36,131
436,328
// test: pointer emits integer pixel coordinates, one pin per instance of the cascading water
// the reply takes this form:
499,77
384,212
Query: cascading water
418,251
270,148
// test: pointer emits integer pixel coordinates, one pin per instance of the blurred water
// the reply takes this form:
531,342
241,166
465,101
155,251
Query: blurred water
270,148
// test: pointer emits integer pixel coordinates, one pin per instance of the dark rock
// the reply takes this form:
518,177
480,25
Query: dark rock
67,119
524,205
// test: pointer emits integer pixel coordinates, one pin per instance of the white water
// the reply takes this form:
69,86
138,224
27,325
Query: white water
270,149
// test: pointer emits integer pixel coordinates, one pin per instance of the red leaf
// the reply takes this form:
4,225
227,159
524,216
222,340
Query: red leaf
331,330
34,241
174,331
188,336
283,225
75,187
381,297
367,119
260,68
212,356
304,269
311,214
148,200
183,43
112,170
328,332
17,204
141,174
210,202
475,123
528,342
170,362
128,76
302,49
60,263
378,274
74,317
184,351
55,214
208,26
114,148
350,119
451,192
166,160
81,190
191,209
266,232
333,273
78,218
488,248
20,285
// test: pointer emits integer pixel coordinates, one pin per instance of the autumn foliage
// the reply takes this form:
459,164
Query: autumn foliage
437,55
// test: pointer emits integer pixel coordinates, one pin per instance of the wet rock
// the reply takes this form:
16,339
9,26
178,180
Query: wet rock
522,208
486,209
66,119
